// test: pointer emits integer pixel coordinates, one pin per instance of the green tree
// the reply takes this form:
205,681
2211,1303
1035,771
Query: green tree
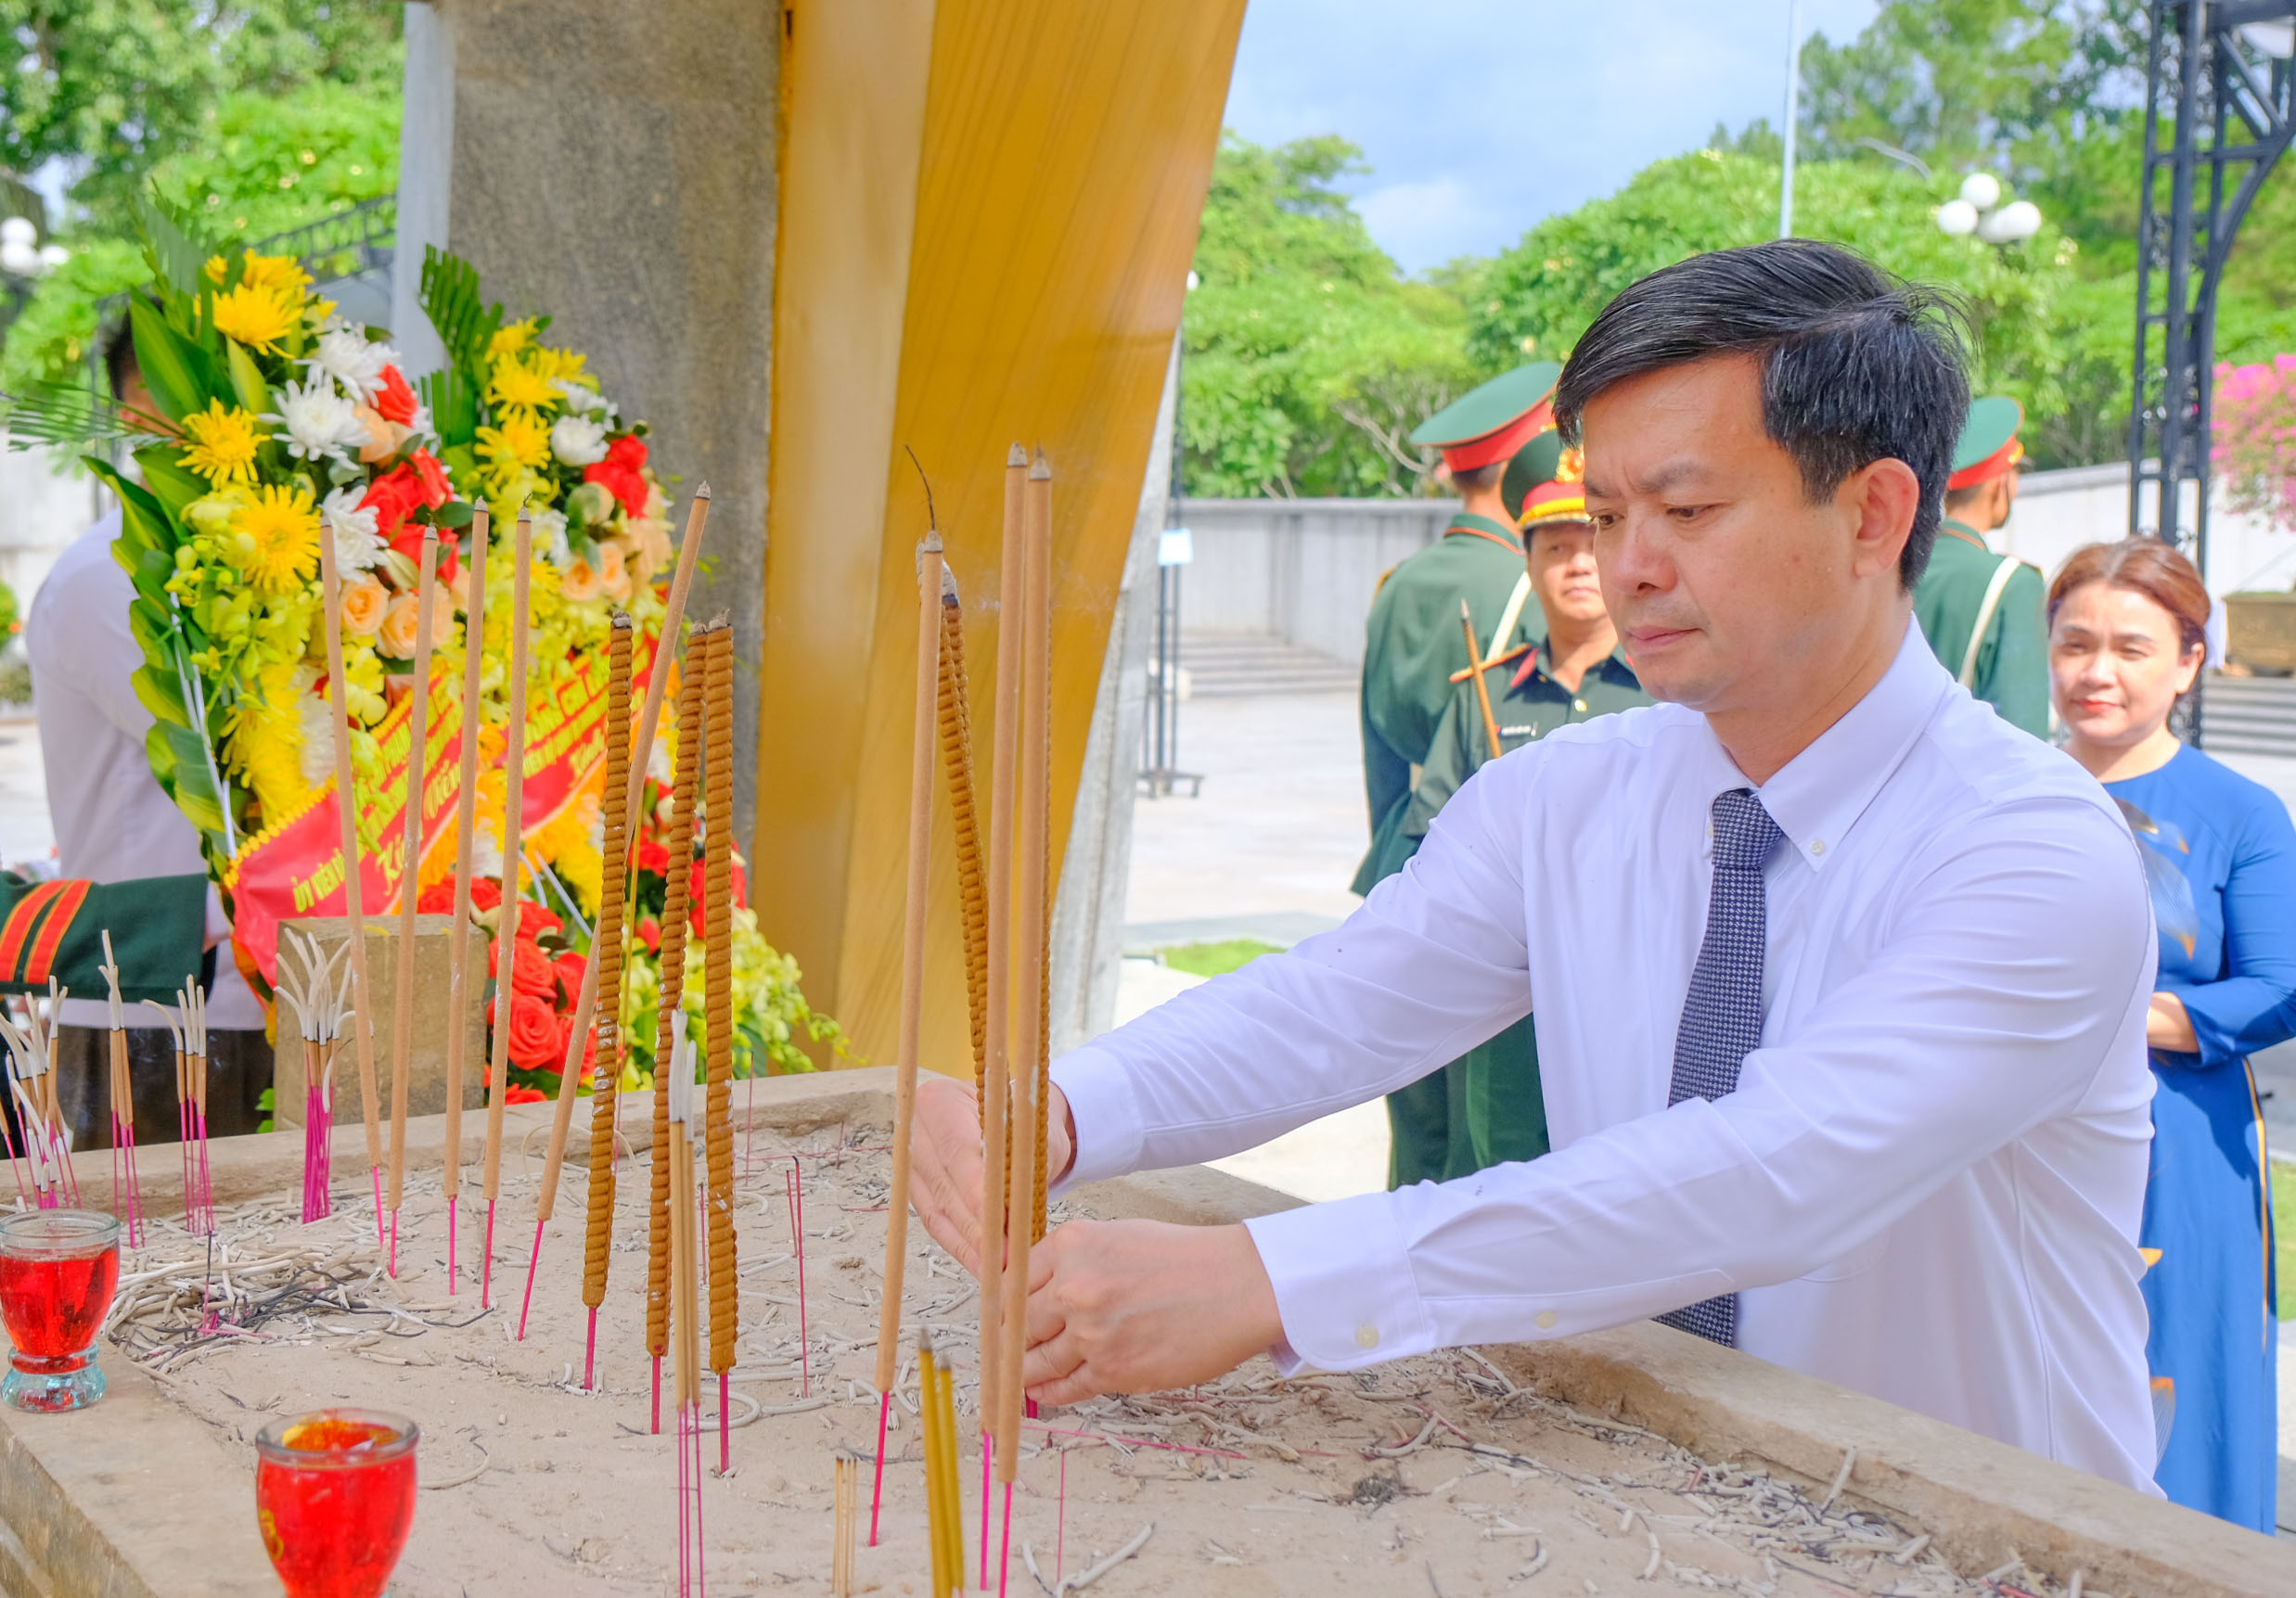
110,87
1308,356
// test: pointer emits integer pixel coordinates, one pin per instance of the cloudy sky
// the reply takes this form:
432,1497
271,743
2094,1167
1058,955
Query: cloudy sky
1480,117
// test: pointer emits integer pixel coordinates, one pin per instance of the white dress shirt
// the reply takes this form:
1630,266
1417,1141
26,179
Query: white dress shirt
113,822
1928,1183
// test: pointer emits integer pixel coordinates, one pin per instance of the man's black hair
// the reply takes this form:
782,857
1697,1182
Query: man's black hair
1479,479
1857,366
120,367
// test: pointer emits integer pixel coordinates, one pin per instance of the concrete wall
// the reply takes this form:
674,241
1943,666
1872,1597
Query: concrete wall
44,504
1304,569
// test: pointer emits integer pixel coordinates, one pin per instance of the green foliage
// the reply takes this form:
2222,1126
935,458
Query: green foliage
1542,294
53,338
261,165
1215,959
1308,356
11,616
109,85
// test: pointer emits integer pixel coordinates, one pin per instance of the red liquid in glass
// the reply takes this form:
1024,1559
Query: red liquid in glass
54,1308
335,1530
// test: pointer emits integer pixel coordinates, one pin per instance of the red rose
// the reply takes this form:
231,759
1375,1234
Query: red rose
570,968
653,856
532,975
519,1096
391,497
621,474
649,934
537,1042
486,892
432,476
436,900
534,920
396,402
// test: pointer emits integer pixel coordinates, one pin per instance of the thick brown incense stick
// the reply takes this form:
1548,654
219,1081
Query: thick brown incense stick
614,850
972,891
1031,636
410,880
466,833
912,961
1482,690
506,910
585,1002
355,907
995,1140
676,910
717,902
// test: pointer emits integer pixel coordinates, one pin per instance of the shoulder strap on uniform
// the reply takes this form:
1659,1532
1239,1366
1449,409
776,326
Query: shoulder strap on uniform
1993,590
1507,618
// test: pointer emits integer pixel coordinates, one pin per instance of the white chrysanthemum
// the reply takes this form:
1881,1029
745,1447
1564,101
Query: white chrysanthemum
352,359
582,400
578,440
358,539
320,423
550,536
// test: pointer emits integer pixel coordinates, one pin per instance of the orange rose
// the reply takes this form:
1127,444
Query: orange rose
364,601
580,581
397,637
384,438
613,573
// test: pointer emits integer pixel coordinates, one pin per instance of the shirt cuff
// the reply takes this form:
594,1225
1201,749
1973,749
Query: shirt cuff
1107,1116
1344,1287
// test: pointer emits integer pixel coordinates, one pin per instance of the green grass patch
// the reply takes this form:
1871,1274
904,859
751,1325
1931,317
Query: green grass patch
1215,959
2283,1240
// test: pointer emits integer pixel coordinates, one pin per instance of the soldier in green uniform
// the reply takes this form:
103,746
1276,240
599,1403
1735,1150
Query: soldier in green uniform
1412,642
1980,611
1576,673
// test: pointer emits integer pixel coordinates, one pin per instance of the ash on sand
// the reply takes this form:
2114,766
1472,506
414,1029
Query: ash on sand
1428,1474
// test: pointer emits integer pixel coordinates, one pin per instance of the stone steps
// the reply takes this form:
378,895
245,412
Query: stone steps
1226,666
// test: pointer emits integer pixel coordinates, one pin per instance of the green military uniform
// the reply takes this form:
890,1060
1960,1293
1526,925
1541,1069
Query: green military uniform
1412,644
1505,1114
56,929
1967,584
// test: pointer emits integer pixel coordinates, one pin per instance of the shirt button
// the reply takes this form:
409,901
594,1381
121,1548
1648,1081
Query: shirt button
1817,846
1579,705
1366,1336
1546,1320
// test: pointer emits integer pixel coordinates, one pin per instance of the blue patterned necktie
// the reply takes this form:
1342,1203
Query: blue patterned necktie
1722,1018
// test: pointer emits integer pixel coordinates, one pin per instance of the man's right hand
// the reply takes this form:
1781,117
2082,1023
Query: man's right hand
946,1163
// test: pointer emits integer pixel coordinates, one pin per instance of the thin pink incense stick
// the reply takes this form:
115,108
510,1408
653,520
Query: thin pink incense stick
1004,1553
987,1445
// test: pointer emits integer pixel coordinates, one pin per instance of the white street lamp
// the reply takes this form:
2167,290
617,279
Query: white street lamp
1977,211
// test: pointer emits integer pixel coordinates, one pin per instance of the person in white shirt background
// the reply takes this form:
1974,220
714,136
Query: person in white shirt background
113,822
1840,981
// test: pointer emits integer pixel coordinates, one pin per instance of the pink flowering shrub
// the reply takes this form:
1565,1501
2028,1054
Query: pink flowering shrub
2254,447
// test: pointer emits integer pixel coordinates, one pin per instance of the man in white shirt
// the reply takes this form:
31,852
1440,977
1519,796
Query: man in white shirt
114,822
1838,981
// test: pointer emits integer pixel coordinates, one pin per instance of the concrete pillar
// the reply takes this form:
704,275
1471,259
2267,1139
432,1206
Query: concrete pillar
613,166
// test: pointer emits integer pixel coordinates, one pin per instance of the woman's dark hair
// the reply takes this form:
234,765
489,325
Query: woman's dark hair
2145,566
1857,366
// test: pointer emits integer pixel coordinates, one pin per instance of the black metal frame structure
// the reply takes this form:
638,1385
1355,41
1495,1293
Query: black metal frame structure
2217,116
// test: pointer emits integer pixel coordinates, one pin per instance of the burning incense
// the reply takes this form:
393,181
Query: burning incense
1032,638
586,1003
929,681
675,914
607,959
354,909
42,1149
964,824
684,1313
996,1106
507,913
410,883
1482,690
176,1031
717,903
127,1201
465,830
319,998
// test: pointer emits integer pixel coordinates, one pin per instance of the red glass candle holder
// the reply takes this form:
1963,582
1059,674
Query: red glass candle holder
59,1270
335,1497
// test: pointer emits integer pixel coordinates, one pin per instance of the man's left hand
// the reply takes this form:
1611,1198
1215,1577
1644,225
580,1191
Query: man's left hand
1139,1306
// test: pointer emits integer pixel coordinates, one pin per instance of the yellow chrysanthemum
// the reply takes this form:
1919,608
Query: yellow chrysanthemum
275,538
521,445
258,316
264,749
510,340
552,364
518,389
223,441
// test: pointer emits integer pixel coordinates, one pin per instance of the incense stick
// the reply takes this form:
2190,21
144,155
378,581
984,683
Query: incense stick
606,956
675,914
1032,639
466,833
585,1002
956,716
1482,690
354,908
686,1311
410,884
912,992
194,1044
127,1201
506,910
717,902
